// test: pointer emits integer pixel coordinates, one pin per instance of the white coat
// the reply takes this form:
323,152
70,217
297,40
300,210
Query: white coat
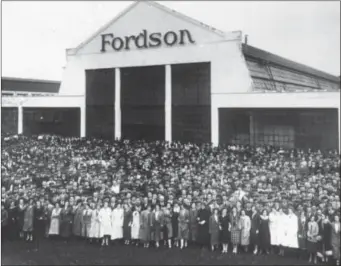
95,224
117,217
281,228
291,229
135,225
55,222
105,221
274,228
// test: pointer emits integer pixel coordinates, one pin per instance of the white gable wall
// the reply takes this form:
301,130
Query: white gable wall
228,69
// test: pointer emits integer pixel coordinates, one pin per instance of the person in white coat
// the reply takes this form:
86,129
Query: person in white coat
291,230
135,225
117,217
94,233
274,228
105,223
281,230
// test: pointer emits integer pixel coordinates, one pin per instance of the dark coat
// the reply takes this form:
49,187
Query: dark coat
203,229
77,222
302,232
335,241
157,223
66,220
225,235
39,222
127,219
264,234
175,224
193,225
254,232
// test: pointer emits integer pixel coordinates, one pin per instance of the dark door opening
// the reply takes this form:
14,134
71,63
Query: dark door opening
142,103
55,121
100,103
191,102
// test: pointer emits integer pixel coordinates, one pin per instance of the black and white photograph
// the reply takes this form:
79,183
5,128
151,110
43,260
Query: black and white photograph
170,133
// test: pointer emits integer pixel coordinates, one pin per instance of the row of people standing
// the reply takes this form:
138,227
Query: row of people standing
177,225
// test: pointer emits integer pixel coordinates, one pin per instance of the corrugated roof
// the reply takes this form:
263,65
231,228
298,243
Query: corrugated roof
29,85
250,51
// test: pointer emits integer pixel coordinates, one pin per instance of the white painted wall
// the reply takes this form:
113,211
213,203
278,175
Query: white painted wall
43,101
228,68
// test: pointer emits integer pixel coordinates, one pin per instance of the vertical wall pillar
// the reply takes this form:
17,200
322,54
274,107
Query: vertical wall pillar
118,124
83,121
339,131
252,131
214,125
20,119
168,103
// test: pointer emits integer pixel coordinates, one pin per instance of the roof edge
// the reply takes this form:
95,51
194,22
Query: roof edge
156,5
30,80
287,63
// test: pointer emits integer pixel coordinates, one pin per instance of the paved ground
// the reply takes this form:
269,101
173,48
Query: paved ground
59,253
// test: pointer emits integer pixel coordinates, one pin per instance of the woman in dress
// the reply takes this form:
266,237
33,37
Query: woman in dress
183,226
235,229
168,228
254,232
135,226
193,223
28,221
20,219
225,230
175,223
86,221
245,225
94,233
264,233
157,223
302,231
145,226
55,221
127,219
77,220
105,223
214,229
312,239
117,217
66,219
335,238
282,228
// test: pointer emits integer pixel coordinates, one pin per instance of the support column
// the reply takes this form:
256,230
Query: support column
252,131
20,119
339,131
168,103
118,131
214,125
83,121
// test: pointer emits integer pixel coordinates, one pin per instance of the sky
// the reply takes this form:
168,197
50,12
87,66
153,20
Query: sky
35,35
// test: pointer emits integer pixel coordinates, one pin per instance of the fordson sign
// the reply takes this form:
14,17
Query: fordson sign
144,40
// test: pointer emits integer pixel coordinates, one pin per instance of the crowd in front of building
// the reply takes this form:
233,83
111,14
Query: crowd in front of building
232,198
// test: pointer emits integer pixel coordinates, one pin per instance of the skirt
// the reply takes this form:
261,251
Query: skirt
235,237
312,247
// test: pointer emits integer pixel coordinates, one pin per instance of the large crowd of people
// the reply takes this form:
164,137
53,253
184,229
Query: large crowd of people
230,198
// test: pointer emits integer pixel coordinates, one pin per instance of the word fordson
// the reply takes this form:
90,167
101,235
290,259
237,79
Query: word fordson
143,40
